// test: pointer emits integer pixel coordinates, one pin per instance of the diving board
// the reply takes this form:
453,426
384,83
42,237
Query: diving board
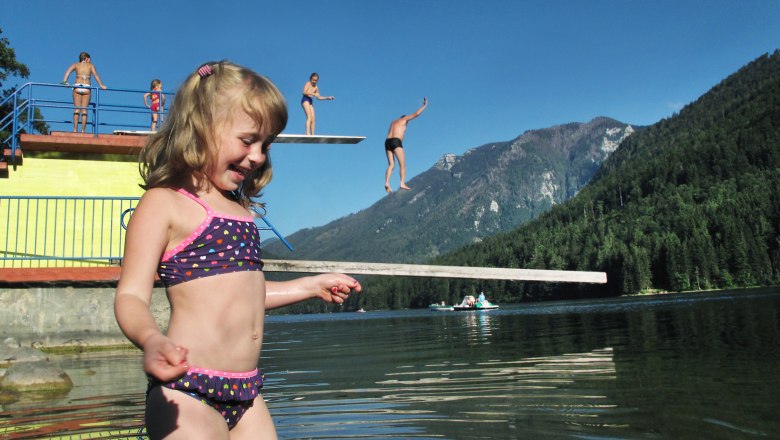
133,132
316,139
282,138
421,270
131,141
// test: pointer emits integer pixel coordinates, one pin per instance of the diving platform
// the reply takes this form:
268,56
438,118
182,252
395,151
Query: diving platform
283,138
130,142
82,143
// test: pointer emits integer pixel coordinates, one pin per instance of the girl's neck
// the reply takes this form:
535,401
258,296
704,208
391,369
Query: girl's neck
209,191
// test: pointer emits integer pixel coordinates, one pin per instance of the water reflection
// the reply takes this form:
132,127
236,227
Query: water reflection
478,326
105,401
453,399
695,366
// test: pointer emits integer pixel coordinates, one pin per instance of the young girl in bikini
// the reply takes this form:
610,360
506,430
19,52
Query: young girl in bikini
193,227
157,101
310,91
81,92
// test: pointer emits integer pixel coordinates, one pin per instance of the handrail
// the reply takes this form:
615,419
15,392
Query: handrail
88,231
104,105
124,104
271,227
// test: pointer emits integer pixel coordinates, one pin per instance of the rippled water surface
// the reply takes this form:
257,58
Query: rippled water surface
671,366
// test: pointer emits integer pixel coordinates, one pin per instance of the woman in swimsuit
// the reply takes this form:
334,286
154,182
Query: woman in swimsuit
81,88
310,91
193,227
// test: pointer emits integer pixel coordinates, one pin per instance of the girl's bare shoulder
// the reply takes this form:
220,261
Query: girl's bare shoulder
169,207
161,199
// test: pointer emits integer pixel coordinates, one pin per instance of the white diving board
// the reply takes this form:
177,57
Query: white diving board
284,138
420,270
133,132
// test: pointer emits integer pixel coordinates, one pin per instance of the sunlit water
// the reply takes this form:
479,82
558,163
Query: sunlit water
663,367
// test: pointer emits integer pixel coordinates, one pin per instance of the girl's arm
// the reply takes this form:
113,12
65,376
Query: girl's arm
67,72
145,242
97,77
331,287
146,95
321,98
311,91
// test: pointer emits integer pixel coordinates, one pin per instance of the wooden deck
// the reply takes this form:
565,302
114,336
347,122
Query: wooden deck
59,274
111,274
82,143
422,270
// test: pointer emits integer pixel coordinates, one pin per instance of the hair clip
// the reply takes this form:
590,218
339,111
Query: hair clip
205,70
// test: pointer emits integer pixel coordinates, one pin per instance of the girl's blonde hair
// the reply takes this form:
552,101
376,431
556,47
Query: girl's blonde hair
185,146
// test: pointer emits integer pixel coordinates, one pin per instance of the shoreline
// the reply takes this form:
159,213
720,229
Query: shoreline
658,292
74,320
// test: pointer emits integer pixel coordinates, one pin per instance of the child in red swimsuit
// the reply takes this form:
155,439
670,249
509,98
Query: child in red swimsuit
158,101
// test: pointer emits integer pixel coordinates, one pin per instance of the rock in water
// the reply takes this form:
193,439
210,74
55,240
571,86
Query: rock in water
37,376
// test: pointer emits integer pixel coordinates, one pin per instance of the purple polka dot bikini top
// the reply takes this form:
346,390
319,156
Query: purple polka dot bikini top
221,244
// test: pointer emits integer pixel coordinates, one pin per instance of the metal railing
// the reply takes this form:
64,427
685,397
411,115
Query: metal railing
52,231
62,231
108,110
68,231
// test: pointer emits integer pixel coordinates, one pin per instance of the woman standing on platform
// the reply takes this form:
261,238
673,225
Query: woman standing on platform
81,92
311,91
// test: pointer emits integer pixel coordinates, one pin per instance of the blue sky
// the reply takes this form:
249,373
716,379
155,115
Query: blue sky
490,69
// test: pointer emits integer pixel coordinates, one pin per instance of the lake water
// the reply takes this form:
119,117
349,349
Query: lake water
701,365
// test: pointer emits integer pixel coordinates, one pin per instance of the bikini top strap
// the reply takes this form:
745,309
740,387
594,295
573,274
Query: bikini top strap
208,209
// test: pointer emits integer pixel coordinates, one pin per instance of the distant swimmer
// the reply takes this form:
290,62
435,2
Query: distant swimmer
311,91
394,147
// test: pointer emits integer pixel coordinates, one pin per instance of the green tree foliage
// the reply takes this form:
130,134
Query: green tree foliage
10,66
8,62
692,202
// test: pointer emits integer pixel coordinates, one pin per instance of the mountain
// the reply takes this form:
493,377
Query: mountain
464,199
689,203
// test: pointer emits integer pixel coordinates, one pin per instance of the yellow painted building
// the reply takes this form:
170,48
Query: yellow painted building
67,177
65,212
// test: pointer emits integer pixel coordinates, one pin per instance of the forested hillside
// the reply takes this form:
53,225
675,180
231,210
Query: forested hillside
692,202
464,199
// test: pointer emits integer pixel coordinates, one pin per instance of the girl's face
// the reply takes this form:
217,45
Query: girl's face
241,149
